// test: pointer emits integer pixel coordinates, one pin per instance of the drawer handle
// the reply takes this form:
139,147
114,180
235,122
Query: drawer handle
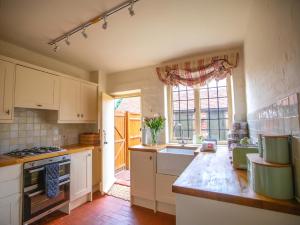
150,157
39,105
78,115
81,115
7,112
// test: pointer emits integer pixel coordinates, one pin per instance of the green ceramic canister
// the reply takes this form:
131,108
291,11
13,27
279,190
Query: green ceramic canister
276,149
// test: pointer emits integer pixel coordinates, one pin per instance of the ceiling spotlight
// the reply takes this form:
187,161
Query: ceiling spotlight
56,47
84,34
130,9
67,41
104,25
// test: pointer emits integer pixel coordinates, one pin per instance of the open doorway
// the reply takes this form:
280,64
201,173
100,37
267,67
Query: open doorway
127,133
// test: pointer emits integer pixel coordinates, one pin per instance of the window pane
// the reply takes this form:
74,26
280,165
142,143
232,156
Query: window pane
204,133
212,83
214,124
213,114
190,95
222,82
214,134
213,93
204,124
213,103
175,88
204,93
175,96
223,123
175,106
204,114
222,92
223,103
204,104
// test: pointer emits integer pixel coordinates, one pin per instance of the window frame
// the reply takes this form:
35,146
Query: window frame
197,104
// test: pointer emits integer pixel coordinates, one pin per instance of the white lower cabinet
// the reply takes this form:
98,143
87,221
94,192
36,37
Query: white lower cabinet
81,177
10,195
142,172
164,188
10,210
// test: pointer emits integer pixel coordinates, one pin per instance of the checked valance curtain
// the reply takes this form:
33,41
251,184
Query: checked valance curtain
198,71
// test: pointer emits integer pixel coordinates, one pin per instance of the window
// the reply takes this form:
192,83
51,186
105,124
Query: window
214,110
183,110
201,111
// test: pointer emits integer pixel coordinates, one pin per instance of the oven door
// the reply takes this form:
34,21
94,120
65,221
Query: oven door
34,177
36,201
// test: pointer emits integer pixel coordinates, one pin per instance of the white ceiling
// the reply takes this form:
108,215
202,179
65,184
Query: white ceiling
161,30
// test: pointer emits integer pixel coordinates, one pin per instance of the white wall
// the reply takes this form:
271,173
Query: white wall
16,52
272,52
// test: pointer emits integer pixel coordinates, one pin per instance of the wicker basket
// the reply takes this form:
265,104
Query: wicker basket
89,139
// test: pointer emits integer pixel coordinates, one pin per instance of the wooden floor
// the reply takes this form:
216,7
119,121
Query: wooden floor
107,210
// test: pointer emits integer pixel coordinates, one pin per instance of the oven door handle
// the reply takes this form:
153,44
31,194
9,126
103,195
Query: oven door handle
35,193
64,182
41,191
36,170
42,168
65,163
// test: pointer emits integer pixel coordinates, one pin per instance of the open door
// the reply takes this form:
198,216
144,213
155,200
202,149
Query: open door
107,143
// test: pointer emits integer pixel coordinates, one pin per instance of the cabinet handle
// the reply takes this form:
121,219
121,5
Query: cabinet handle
150,157
89,154
39,105
78,115
7,112
81,115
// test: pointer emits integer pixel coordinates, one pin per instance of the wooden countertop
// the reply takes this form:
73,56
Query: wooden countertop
70,149
211,175
144,148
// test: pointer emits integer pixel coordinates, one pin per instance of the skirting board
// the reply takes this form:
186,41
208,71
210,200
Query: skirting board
146,203
80,201
166,208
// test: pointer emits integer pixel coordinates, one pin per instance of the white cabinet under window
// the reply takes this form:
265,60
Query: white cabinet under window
7,79
78,102
36,89
142,178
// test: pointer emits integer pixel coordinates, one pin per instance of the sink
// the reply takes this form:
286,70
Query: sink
179,151
173,160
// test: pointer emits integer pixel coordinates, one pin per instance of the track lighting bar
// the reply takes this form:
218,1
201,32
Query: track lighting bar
97,19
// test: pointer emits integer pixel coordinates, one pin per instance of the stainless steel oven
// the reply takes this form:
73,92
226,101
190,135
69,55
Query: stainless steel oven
36,204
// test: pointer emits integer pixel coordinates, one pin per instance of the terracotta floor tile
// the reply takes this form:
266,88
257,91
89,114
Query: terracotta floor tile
107,210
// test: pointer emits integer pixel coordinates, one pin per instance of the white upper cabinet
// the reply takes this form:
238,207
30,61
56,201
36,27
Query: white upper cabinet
78,102
36,89
69,100
88,102
7,79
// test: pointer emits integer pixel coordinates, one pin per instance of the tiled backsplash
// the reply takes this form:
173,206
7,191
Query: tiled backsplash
280,118
36,128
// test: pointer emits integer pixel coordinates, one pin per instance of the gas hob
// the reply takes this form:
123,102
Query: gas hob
33,151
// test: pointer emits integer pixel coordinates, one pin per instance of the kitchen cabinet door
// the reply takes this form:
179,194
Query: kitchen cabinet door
10,210
7,79
36,89
81,174
88,102
69,110
142,172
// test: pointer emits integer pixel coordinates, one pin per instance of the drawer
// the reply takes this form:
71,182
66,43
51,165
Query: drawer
10,180
10,173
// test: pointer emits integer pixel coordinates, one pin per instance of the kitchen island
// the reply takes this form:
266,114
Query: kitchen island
211,191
